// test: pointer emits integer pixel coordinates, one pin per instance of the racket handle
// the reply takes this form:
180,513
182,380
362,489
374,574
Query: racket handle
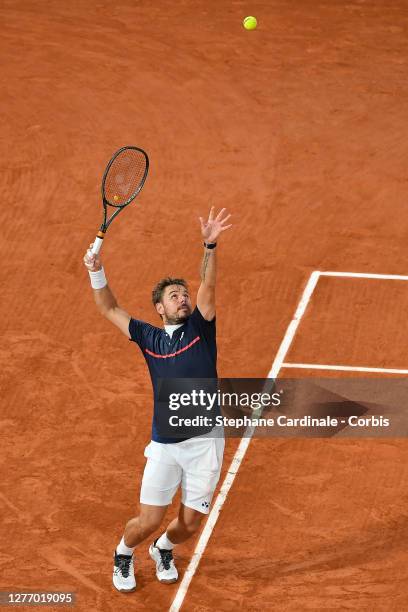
97,245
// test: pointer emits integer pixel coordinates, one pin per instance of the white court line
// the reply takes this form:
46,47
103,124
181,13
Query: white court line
363,275
294,324
241,450
316,366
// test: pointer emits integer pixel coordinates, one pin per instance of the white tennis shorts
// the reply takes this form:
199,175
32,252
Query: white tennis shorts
194,463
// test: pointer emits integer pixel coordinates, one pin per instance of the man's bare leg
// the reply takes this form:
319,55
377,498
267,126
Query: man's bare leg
179,530
136,530
185,525
140,527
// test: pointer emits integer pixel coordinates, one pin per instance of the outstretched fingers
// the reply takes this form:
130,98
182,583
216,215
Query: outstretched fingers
222,221
218,217
226,227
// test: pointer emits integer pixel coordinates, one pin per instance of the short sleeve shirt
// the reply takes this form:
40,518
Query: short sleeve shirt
191,352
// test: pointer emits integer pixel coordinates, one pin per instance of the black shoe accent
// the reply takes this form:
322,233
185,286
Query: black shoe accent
122,562
165,555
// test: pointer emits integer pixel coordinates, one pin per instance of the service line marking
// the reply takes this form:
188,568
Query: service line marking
242,449
342,368
364,275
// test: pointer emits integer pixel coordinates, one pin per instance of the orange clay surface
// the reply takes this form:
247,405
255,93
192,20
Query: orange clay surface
299,129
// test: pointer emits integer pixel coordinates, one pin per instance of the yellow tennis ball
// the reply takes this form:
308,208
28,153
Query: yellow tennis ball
116,198
250,23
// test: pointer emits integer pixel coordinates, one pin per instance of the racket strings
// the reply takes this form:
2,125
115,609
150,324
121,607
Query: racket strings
125,177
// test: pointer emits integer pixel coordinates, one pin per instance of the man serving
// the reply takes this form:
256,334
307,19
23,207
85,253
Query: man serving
185,348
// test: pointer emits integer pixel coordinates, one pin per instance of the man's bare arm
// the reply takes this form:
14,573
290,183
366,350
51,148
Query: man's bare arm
206,291
104,298
108,306
210,232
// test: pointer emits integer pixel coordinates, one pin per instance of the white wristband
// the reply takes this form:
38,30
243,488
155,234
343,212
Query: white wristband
98,279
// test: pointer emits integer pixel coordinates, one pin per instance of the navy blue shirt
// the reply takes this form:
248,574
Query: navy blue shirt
191,352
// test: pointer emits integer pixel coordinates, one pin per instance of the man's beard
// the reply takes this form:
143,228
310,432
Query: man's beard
180,317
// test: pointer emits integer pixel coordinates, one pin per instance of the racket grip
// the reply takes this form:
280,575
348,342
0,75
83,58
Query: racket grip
97,245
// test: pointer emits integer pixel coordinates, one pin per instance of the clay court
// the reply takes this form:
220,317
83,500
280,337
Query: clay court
298,129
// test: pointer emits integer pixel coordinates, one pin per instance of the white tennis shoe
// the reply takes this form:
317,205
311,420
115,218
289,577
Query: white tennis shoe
124,573
166,571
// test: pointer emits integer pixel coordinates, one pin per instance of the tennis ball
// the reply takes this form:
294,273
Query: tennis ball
116,198
250,23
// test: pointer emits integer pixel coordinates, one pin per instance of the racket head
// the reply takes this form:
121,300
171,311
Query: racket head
124,176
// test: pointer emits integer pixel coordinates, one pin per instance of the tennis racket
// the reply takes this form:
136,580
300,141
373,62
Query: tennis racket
122,181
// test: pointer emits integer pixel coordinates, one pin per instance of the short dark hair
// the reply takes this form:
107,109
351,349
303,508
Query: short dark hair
158,291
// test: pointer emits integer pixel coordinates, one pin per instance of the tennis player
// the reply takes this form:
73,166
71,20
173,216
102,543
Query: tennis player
185,348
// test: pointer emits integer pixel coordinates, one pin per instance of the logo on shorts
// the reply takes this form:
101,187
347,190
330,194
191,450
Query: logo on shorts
205,504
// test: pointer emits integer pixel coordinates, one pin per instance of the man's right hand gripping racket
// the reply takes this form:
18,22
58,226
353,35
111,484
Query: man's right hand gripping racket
122,181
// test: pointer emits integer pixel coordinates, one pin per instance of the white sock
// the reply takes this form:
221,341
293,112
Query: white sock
164,543
122,549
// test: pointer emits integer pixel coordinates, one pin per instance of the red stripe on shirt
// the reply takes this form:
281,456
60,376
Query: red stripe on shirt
185,348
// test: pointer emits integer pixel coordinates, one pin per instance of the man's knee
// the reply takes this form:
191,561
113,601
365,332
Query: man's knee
192,522
145,524
149,524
